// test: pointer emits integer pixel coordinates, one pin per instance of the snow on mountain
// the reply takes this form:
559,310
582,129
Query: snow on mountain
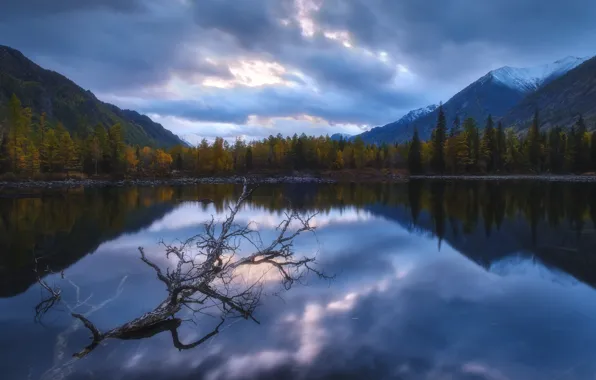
417,113
529,79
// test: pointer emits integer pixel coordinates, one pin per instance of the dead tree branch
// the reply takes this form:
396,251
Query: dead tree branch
207,275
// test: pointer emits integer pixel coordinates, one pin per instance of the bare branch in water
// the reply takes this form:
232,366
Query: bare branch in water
207,272
53,298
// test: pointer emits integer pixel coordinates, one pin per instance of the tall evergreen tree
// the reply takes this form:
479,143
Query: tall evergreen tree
415,154
556,150
472,142
581,146
438,143
248,158
534,149
593,149
488,145
500,145
455,127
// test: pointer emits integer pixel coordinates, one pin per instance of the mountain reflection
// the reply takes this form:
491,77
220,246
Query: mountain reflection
461,280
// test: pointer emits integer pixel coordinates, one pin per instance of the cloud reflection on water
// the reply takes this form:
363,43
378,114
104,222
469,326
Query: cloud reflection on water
398,309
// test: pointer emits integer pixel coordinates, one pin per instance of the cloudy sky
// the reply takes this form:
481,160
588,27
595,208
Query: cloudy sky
261,67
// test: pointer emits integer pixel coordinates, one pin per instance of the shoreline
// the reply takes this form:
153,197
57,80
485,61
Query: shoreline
511,177
98,183
185,181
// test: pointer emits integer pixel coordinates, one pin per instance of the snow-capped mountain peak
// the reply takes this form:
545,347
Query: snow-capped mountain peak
418,113
528,79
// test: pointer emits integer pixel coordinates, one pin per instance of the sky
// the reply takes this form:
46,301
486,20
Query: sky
255,68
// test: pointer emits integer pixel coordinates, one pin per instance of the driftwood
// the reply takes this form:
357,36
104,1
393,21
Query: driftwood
205,276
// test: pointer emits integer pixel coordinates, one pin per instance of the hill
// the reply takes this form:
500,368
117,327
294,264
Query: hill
63,100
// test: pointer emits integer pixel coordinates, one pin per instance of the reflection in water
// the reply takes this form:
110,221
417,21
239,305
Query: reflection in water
434,280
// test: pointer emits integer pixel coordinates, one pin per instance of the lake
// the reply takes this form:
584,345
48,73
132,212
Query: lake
433,280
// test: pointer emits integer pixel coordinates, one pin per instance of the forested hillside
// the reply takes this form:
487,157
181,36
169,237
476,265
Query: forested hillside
79,111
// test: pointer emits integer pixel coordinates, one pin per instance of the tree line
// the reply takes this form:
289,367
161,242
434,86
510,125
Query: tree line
463,148
31,146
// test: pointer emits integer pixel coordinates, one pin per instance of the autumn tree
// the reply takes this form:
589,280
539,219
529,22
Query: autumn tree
131,160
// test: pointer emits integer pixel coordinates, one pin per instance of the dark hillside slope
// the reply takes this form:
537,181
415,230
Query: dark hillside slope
561,101
63,100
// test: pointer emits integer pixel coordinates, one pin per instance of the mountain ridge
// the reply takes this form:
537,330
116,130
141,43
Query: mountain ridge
495,93
63,100
561,101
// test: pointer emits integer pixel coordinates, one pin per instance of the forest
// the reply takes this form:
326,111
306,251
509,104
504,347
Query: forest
464,148
33,147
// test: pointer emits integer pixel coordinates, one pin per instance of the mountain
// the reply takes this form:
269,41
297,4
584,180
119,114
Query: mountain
63,100
388,132
560,101
532,78
496,93
341,136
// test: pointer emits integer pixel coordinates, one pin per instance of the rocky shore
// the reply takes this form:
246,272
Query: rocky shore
513,177
72,183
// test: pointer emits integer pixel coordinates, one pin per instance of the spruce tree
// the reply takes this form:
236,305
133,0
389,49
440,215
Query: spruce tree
472,142
593,149
581,146
488,145
415,155
500,145
248,158
438,143
455,127
534,150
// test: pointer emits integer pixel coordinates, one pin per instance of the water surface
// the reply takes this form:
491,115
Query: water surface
434,280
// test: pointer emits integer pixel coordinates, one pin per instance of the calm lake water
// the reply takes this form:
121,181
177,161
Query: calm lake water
434,280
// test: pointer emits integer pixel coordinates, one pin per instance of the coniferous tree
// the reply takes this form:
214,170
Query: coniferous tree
556,150
415,155
438,143
248,158
500,145
455,127
534,149
472,142
593,149
581,146
488,145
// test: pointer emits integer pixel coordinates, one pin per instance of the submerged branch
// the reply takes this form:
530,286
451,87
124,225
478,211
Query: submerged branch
206,274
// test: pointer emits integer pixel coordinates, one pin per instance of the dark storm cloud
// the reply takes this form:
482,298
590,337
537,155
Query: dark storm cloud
102,48
125,47
19,8
424,33
255,24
